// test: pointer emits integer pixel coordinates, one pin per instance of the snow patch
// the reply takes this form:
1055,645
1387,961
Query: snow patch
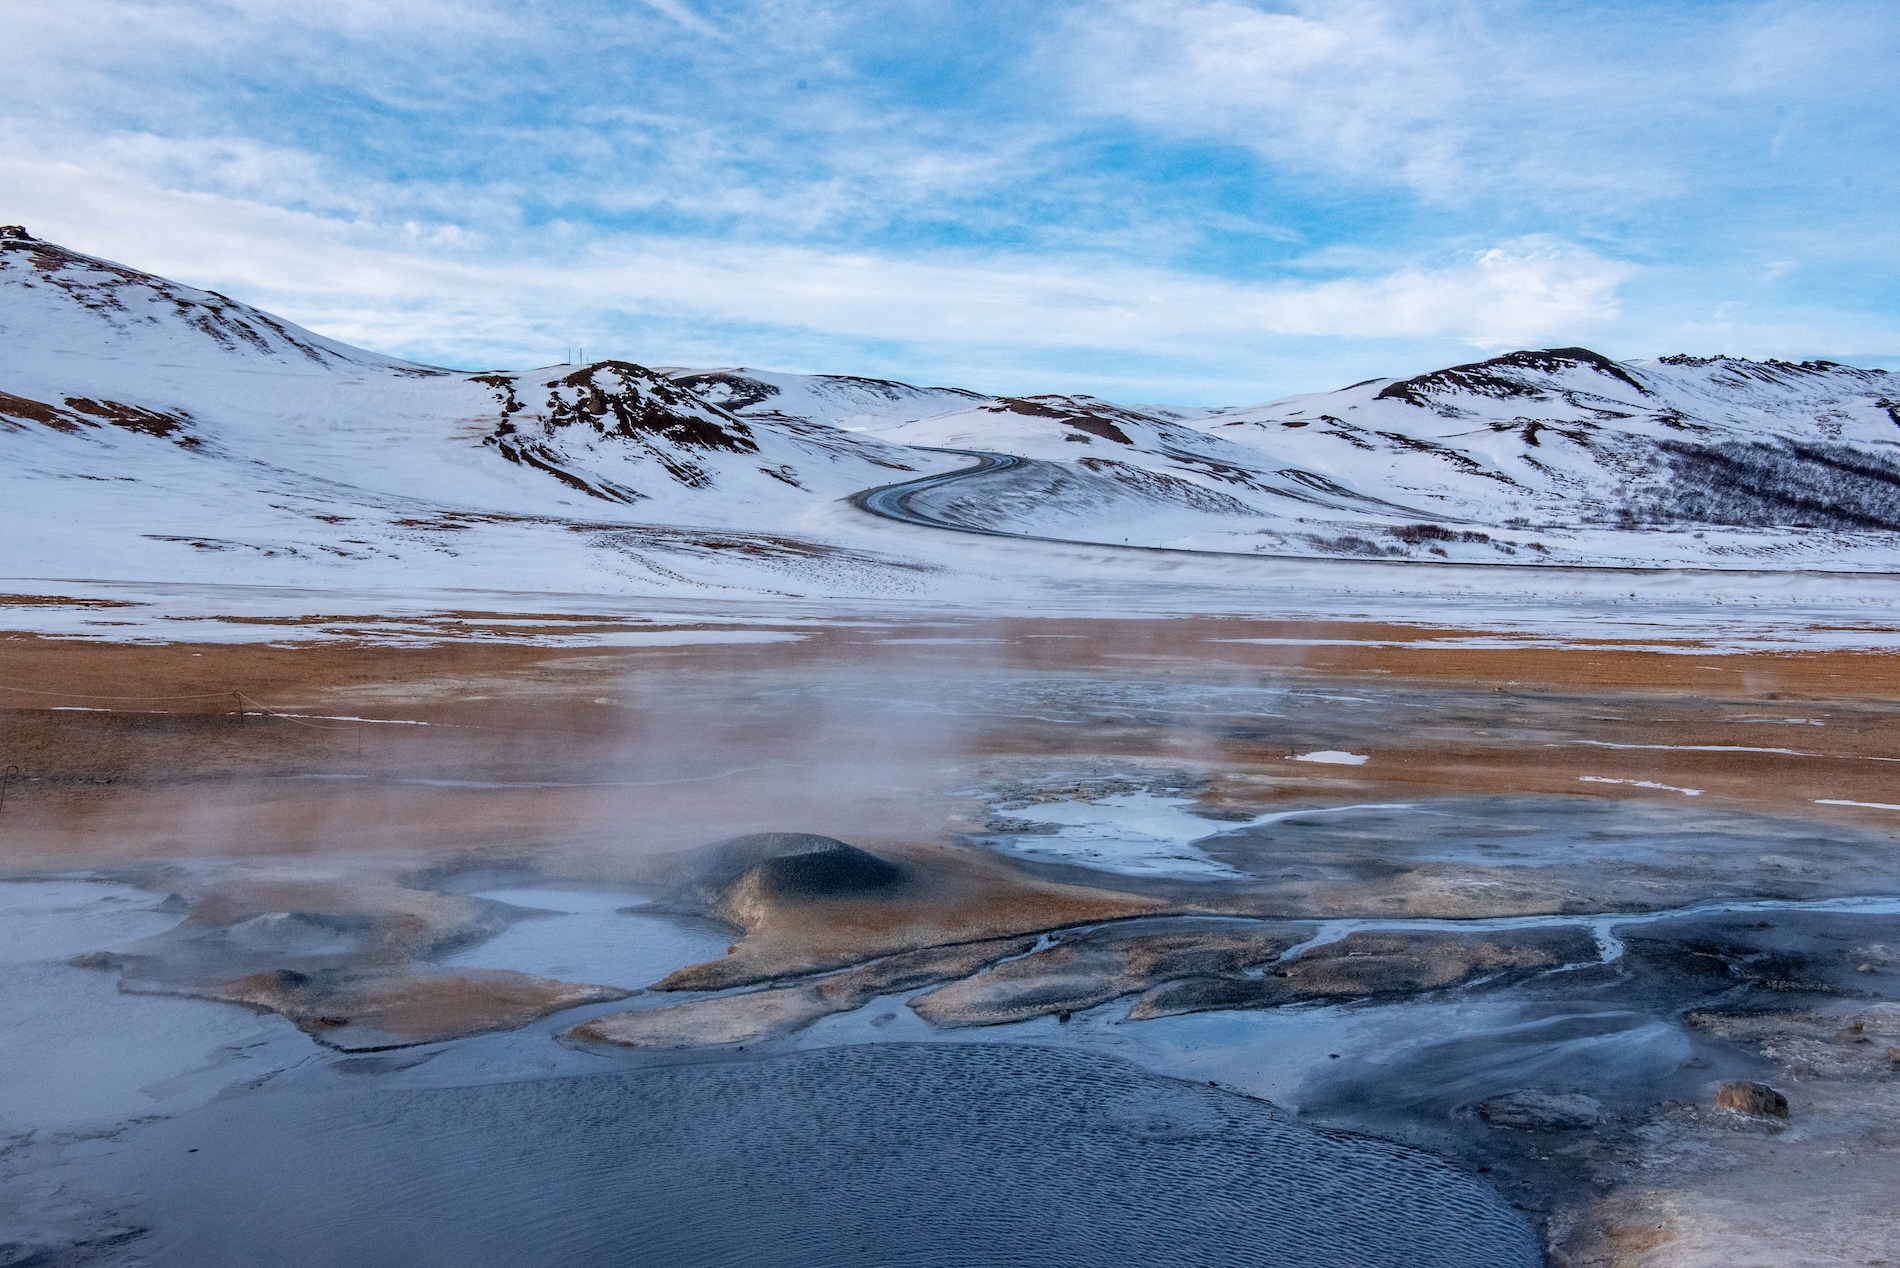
1640,783
1131,834
1331,757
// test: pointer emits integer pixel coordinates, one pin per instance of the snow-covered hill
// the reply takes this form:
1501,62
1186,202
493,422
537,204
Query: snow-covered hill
1764,454
1548,456
156,431
1115,473
854,404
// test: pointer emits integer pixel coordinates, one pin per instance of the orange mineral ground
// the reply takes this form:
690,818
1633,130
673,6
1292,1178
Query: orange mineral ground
1525,901
137,750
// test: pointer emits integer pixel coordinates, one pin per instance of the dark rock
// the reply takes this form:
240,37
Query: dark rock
1540,1111
1758,1099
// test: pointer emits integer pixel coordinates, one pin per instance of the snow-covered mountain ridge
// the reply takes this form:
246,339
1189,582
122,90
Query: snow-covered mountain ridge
1553,455
1713,440
158,430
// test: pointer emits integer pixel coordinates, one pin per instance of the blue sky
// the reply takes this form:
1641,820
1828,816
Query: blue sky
1195,201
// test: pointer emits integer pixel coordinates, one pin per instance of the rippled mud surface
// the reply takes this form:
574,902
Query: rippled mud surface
924,1156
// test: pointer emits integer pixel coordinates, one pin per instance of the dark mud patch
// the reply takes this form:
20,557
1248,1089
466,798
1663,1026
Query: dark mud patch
889,1155
1082,970
1371,965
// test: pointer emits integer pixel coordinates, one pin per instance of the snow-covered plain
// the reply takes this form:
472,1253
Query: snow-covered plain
188,455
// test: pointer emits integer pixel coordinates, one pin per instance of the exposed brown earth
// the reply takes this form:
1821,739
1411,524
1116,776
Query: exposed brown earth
179,725
618,763
344,957
756,1015
359,1016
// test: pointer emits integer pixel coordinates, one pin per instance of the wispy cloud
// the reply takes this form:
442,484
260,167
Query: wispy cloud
1212,199
1364,88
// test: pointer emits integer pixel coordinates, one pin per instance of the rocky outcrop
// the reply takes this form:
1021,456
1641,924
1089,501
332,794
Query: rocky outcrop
1757,1099
1373,964
1092,967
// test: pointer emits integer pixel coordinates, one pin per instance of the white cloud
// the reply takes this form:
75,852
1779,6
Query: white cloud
400,286
490,181
1352,85
1583,106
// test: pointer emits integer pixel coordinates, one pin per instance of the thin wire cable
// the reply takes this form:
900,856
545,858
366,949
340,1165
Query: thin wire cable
266,709
78,695
239,696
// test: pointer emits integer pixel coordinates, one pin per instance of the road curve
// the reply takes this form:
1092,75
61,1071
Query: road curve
894,502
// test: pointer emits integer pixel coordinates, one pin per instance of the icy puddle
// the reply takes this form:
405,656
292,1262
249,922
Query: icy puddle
599,936
1140,834
1132,834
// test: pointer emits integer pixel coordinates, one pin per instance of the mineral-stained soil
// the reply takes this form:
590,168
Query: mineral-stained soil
320,812
754,1015
357,1015
344,957
1368,965
123,749
809,903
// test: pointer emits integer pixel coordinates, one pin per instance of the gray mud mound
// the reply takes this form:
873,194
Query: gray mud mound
790,865
845,872
921,1156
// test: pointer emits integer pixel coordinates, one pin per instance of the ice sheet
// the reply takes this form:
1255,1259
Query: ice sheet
1133,834
593,936
77,1053
1142,834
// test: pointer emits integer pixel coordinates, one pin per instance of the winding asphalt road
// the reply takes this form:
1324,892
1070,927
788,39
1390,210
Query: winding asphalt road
895,502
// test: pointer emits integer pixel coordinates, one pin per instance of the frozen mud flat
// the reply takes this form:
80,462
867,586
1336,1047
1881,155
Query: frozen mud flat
888,1155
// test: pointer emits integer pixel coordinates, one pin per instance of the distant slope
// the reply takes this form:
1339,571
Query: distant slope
1568,434
1559,455
155,428
836,400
